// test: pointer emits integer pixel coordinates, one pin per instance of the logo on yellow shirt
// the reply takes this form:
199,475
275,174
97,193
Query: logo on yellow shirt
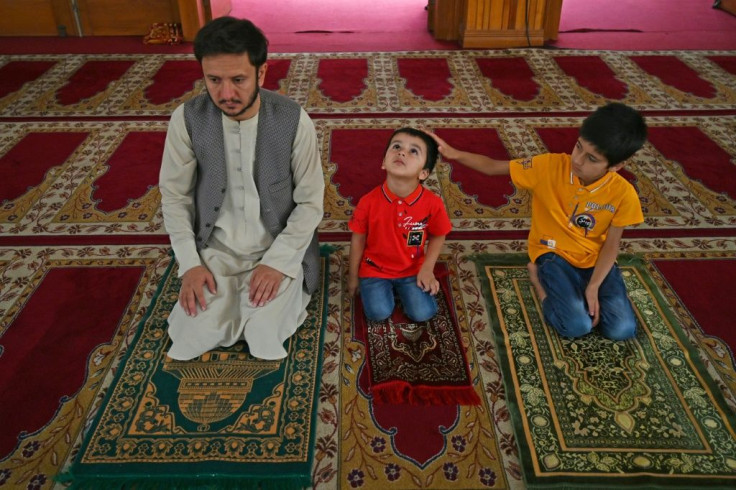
583,220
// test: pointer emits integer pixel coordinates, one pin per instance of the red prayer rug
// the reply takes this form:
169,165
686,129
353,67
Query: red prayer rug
419,363
67,316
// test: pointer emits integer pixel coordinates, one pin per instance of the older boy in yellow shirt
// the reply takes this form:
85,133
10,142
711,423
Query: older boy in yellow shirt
580,207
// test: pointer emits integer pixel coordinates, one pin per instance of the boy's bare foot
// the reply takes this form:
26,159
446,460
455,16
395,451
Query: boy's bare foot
534,278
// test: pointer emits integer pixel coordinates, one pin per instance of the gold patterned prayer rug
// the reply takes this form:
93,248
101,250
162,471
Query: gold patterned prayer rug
224,419
419,363
594,412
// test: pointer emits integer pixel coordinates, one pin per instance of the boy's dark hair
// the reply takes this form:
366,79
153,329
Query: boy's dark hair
616,130
228,35
432,150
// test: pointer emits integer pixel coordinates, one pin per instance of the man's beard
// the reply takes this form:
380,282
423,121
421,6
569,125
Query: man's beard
243,110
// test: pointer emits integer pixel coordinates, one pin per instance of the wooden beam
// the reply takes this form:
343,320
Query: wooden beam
553,12
27,18
193,14
727,5
444,19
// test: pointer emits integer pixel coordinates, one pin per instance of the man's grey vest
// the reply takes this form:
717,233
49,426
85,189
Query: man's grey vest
278,119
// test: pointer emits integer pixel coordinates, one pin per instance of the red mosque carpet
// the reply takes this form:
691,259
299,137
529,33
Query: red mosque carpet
82,246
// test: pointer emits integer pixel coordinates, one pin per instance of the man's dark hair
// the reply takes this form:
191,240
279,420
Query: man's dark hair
432,150
228,35
616,130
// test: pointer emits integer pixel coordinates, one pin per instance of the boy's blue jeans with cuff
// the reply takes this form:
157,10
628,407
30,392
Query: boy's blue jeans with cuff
565,308
378,298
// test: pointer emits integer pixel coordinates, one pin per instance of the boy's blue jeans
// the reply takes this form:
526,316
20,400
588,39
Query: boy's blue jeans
565,308
378,298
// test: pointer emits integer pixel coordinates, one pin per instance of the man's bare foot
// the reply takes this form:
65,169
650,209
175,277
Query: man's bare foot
534,278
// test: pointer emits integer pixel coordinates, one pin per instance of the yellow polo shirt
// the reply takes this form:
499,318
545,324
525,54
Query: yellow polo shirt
569,218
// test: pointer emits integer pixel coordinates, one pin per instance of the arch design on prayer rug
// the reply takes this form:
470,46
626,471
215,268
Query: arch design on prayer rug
403,82
599,79
107,184
15,75
725,62
63,328
278,75
713,179
514,81
124,187
164,85
427,81
91,83
353,157
343,82
31,160
685,277
681,78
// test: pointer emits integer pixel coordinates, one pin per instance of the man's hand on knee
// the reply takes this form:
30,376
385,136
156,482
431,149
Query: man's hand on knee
192,289
264,284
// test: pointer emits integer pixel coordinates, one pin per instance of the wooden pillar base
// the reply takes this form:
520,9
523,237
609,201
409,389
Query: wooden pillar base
495,23
502,39
727,5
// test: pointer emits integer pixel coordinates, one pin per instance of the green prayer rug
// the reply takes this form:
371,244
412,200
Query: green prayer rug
222,420
596,413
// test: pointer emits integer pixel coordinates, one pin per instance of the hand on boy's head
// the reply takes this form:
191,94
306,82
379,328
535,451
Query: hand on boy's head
440,141
445,150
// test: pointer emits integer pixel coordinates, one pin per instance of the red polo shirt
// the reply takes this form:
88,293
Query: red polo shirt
397,230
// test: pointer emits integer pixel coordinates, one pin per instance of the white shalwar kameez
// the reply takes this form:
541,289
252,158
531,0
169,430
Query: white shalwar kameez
239,242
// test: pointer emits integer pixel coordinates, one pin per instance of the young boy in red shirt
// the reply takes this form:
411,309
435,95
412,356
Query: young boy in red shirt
580,207
391,226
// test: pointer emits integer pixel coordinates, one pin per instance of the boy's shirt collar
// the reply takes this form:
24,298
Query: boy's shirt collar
598,184
410,199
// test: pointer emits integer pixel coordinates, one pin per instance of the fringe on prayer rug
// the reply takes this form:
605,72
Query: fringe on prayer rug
596,413
223,420
418,363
